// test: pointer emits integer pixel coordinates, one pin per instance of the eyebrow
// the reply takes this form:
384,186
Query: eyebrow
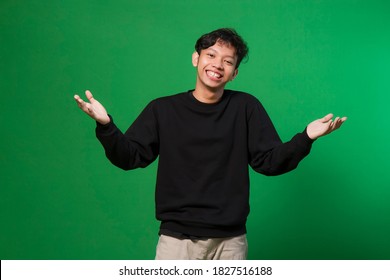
210,48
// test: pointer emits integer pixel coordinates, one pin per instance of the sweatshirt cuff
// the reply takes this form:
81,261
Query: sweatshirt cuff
306,137
105,128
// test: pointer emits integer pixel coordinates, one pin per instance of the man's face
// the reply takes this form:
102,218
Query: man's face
216,65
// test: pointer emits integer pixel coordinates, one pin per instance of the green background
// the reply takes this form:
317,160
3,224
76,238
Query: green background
60,198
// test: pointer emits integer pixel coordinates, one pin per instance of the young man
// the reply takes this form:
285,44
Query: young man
205,139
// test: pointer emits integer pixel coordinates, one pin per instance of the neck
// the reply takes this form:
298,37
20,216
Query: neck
206,95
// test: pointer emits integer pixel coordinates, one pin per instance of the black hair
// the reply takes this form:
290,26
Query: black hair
225,35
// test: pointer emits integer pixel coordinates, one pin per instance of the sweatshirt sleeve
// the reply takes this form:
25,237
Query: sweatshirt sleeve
138,147
268,155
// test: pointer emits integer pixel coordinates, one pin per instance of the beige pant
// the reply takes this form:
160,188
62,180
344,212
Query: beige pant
232,248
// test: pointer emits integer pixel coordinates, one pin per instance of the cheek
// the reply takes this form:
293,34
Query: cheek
232,74
202,62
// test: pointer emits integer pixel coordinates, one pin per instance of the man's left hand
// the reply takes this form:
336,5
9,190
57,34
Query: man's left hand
324,126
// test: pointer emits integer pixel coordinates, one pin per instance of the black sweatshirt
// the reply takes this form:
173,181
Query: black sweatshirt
204,151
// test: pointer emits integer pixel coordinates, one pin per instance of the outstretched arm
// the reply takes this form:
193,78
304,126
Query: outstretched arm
324,126
93,109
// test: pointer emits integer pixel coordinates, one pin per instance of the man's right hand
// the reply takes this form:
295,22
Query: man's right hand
93,109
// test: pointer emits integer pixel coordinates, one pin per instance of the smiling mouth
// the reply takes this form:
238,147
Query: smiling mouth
214,75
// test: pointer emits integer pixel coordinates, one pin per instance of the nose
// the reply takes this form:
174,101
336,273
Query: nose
218,64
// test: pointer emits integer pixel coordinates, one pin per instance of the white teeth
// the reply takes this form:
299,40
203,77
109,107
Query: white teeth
213,74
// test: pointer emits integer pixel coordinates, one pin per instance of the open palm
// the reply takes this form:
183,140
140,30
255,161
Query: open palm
94,109
324,126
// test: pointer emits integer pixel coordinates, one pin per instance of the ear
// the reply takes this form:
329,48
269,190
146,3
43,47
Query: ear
235,73
195,59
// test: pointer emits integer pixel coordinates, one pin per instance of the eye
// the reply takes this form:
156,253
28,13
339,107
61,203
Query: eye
210,55
228,62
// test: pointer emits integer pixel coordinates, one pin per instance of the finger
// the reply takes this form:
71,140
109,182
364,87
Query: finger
77,98
339,122
336,123
327,118
86,107
89,95
80,101
331,125
89,110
